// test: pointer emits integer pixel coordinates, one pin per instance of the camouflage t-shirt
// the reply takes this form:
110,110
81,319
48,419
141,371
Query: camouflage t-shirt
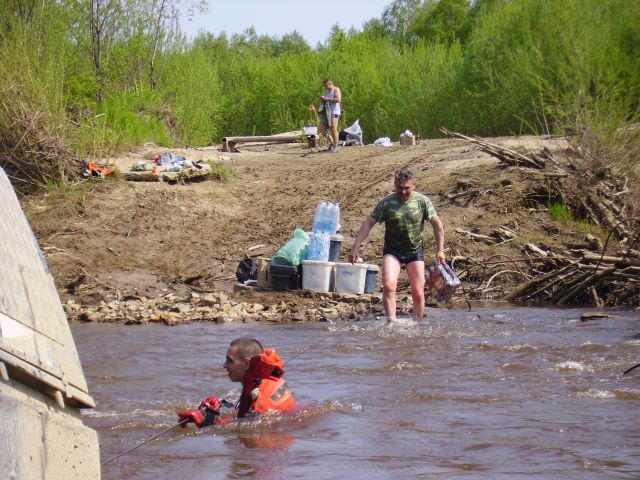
404,222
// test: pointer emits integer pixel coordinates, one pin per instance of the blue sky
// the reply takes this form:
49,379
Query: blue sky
313,20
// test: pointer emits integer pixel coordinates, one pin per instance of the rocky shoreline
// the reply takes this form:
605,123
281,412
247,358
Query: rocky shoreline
222,307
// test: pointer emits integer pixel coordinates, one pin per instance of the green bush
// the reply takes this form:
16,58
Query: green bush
560,212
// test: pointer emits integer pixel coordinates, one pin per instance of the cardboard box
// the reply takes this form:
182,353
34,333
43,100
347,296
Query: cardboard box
407,139
264,280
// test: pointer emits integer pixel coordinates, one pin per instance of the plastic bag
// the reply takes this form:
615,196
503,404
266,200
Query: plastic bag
383,142
353,134
247,270
440,281
294,251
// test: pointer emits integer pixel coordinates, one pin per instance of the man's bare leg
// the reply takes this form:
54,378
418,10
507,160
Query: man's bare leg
334,131
415,273
390,272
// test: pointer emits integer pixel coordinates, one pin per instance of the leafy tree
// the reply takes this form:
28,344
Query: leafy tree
398,17
291,43
443,21
160,20
105,22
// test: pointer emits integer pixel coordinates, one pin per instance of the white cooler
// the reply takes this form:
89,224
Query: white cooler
316,275
350,278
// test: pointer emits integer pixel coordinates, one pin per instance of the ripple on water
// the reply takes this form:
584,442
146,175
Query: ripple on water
572,365
596,393
437,396
525,348
123,414
627,394
516,367
593,347
432,328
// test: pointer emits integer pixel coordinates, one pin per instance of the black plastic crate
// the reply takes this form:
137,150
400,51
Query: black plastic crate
285,277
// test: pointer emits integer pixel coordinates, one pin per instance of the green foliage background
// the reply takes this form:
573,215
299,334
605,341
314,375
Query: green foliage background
493,67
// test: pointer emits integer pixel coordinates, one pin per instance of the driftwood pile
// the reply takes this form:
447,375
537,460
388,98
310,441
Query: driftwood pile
583,274
32,151
543,277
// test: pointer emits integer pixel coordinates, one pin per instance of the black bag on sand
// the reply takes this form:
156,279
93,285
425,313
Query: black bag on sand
247,270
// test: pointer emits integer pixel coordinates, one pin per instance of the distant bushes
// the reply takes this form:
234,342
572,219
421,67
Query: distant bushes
487,68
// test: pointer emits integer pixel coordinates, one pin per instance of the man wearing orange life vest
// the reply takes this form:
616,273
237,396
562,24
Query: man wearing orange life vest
260,371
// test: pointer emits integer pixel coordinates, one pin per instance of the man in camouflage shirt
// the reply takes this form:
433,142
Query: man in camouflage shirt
403,213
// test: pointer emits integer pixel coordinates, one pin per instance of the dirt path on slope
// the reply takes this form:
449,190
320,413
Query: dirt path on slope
117,239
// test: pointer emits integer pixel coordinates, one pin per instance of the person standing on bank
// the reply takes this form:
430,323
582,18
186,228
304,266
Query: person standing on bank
330,113
403,213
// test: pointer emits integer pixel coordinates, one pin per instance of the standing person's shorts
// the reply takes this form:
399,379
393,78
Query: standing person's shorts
405,259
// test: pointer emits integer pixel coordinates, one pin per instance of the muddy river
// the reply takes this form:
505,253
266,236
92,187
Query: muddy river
488,394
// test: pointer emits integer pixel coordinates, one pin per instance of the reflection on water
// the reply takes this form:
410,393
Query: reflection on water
497,394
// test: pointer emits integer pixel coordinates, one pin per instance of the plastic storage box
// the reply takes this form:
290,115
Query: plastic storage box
370,279
284,277
350,278
335,243
317,275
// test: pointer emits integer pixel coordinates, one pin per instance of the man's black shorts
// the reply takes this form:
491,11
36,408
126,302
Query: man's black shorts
405,259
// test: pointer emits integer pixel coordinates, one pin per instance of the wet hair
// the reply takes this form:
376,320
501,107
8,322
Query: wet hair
247,347
403,176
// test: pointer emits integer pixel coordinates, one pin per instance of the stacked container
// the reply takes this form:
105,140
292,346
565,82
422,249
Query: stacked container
319,246
327,217
317,275
317,269
370,279
350,278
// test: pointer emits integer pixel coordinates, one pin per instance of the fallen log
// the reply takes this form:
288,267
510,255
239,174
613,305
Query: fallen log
476,236
467,193
185,174
536,250
229,143
584,283
505,155
594,257
519,291
608,217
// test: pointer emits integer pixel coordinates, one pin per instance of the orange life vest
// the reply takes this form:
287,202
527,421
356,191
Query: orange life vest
264,388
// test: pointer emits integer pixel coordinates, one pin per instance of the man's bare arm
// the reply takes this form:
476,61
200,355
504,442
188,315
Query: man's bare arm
337,95
366,227
438,233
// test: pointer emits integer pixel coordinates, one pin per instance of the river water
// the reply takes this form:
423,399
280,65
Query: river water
488,394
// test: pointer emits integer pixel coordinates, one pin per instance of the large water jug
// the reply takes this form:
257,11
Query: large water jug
333,218
319,246
327,217
318,219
